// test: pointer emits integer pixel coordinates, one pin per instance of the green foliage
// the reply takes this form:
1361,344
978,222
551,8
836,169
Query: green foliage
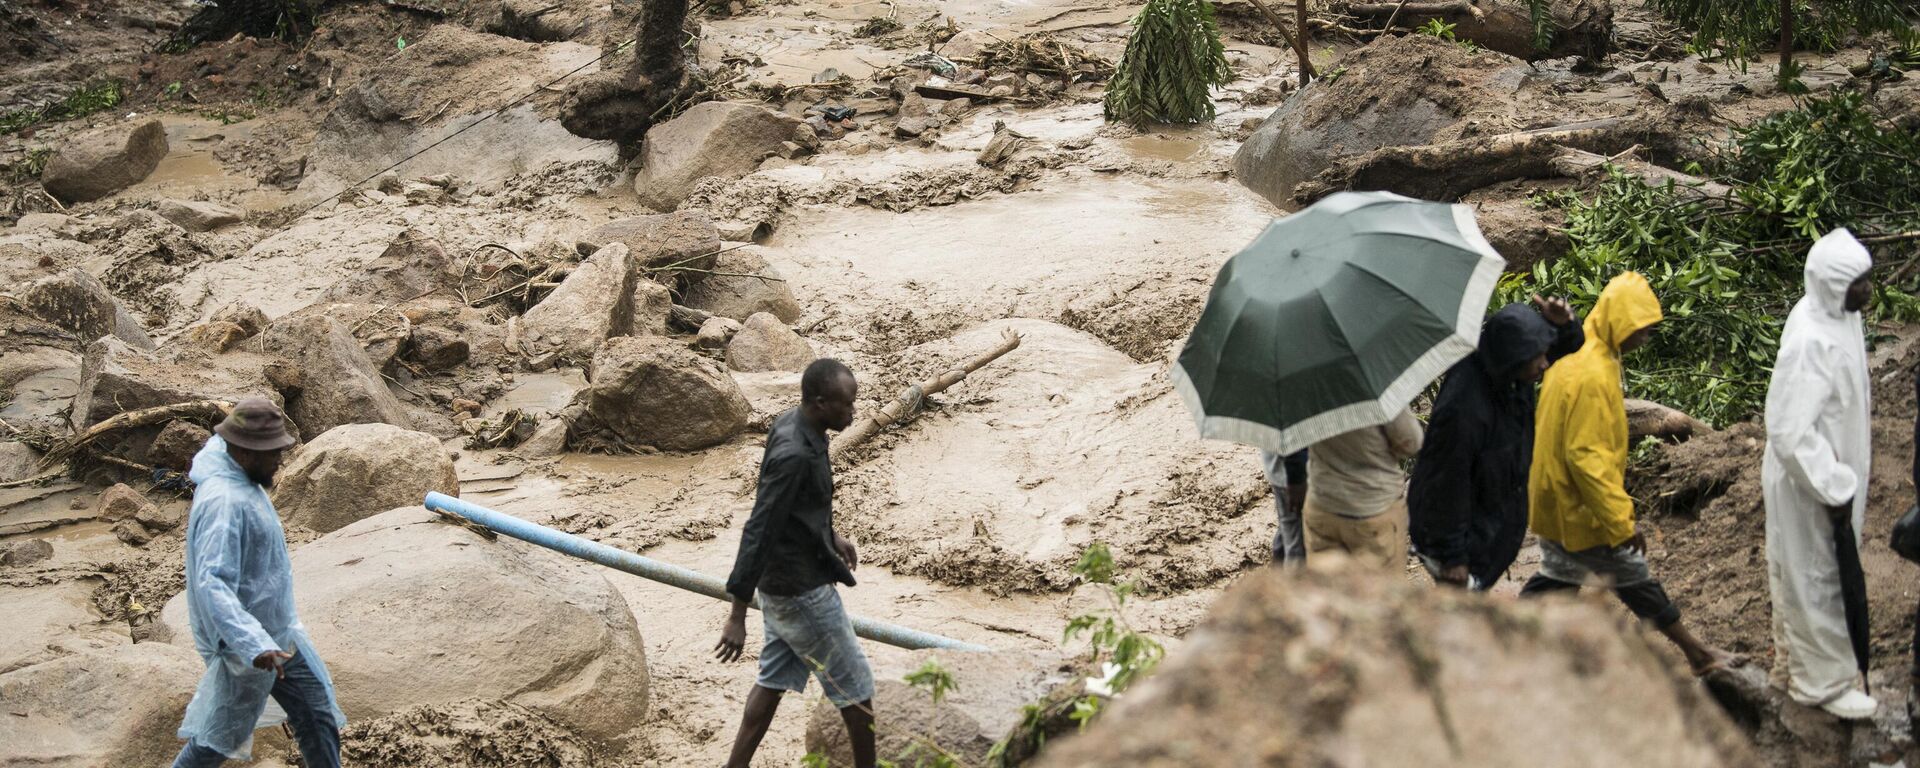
1540,12
1109,636
1728,271
85,100
1444,31
1744,28
1172,58
932,678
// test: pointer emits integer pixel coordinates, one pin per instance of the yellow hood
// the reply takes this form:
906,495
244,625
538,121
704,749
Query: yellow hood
1626,305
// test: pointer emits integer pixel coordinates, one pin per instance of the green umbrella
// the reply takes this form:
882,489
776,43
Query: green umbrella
1334,318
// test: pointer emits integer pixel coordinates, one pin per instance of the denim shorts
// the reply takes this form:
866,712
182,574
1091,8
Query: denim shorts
810,633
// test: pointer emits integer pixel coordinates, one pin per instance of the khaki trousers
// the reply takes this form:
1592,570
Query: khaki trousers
1378,541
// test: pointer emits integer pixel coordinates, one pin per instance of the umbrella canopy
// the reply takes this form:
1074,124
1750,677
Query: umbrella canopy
1853,591
1334,318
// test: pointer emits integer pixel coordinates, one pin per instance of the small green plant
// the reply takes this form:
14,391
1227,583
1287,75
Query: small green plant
88,98
1172,59
1127,655
1444,31
172,90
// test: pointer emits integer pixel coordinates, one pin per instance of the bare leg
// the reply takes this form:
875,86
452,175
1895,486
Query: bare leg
761,704
1701,657
859,718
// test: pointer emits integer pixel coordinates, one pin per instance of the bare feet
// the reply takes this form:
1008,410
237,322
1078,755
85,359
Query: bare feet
1710,660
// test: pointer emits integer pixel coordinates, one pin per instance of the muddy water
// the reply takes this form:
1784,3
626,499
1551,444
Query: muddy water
190,171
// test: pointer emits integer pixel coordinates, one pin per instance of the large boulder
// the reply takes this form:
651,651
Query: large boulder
409,611
985,706
200,215
42,381
680,239
766,344
1409,90
337,384
746,284
716,138
176,445
18,461
413,265
112,706
116,378
655,392
593,304
356,471
78,302
1386,672
93,168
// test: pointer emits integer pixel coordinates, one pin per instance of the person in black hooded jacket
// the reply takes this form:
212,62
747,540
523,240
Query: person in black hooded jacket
1467,502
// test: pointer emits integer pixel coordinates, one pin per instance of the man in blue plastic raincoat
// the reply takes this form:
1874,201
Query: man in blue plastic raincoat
240,604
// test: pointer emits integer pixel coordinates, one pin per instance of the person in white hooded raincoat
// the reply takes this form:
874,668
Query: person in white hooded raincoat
1819,437
240,604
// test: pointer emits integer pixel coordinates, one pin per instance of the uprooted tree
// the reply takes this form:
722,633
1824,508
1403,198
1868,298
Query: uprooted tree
1172,58
640,77
1743,28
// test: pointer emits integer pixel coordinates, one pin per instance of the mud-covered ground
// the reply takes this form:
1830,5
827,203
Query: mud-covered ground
904,253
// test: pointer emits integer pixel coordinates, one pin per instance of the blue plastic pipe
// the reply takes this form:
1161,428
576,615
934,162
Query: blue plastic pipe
665,573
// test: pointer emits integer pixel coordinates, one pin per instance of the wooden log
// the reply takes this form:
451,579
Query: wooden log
1579,164
206,410
908,403
1447,170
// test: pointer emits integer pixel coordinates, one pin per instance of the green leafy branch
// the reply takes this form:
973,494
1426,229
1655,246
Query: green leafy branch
1172,58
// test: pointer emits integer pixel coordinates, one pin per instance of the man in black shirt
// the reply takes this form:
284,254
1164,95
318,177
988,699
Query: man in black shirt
790,554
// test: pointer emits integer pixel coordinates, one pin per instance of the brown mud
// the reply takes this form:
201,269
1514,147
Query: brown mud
1097,243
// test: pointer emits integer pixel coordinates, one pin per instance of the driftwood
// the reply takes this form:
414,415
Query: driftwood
206,410
1447,170
1577,164
908,403
687,318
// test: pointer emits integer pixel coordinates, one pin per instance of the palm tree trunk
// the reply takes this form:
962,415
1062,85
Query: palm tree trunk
1786,37
1300,41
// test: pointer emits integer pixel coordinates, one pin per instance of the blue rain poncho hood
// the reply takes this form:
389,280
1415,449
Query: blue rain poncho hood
240,605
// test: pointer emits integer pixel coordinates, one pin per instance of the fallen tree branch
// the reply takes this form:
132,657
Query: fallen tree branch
205,410
1579,164
1447,170
908,402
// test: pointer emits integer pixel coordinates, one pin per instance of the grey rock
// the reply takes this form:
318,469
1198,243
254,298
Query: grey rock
95,168
199,215
655,392
766,344
356,471
760,289
593,304
716,138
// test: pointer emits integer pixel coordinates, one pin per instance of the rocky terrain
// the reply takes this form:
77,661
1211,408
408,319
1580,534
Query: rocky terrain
387,229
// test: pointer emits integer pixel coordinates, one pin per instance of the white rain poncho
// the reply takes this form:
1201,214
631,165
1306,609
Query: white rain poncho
240,603
1819,438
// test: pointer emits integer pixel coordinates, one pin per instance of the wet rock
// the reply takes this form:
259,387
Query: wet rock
1388,669
1400,91
766,344
94,168
548,440
983,708
109,706
19,553
120,502
338,383
43,222
740,297
159,519
213,337
247,316
716,332
1646,418
77,301
681,239
652,308
356,471
175,446
18,461
391,602
912,127
413,265
655,392
593,304
132,533
115,378
42,382
437,349
716,138
382,330
200,216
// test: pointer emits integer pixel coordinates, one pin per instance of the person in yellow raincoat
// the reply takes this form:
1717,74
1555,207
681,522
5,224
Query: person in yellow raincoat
1577,488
